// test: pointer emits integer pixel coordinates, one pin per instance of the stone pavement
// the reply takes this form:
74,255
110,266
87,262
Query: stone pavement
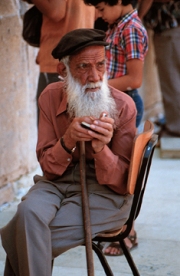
157,226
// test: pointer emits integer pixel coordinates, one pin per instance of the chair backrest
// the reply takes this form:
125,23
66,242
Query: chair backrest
139,145
141,180
143,175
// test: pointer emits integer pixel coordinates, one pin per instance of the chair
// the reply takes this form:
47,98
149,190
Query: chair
142,153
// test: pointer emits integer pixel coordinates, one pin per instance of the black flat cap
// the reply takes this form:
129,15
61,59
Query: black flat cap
78,39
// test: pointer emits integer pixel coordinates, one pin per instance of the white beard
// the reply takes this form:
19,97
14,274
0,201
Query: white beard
81,103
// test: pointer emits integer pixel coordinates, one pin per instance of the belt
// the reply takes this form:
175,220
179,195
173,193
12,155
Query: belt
131,92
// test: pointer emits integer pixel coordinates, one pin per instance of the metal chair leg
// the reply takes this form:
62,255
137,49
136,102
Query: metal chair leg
52,264
129,259
102,259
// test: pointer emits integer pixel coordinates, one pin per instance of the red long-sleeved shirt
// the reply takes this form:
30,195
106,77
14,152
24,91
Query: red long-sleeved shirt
111,164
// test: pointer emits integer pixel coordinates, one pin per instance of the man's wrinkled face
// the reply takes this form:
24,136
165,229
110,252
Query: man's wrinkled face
88,66
87,90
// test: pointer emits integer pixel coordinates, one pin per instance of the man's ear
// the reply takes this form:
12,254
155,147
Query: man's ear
61,69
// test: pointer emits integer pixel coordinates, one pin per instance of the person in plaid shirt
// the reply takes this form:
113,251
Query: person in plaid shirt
128,45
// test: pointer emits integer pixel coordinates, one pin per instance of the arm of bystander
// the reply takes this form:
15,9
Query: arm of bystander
53,9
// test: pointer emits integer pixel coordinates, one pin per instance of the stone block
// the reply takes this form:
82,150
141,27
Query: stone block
7,8
19,74
170,147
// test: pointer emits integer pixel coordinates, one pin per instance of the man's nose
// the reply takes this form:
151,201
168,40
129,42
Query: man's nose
94,74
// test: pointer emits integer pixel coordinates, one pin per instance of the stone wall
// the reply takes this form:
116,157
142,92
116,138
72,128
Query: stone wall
18,78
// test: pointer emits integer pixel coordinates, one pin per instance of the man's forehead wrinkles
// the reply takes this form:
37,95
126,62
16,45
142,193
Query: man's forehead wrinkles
89,59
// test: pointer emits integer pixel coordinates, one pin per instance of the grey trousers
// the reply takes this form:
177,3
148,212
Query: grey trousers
49,221
167,50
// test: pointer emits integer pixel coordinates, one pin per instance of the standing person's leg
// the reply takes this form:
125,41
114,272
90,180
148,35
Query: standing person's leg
43,81
8,271
168,61
27,237
139,104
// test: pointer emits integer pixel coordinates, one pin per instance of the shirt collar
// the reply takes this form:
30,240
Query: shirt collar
125,18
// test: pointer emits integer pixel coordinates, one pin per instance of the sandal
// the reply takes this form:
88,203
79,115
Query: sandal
133,240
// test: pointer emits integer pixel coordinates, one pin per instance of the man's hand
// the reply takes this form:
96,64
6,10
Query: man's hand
76,132
103,127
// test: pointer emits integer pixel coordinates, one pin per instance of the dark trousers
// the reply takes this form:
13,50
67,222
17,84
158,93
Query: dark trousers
44,80
167,50
139,104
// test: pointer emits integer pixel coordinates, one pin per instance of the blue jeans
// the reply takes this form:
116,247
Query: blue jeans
139,104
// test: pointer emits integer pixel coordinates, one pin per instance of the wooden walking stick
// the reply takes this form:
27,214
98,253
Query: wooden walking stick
86,212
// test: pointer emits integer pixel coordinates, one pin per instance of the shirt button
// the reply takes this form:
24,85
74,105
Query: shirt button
69,159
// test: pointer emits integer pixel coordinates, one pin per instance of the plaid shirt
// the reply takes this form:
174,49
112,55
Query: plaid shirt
127,39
